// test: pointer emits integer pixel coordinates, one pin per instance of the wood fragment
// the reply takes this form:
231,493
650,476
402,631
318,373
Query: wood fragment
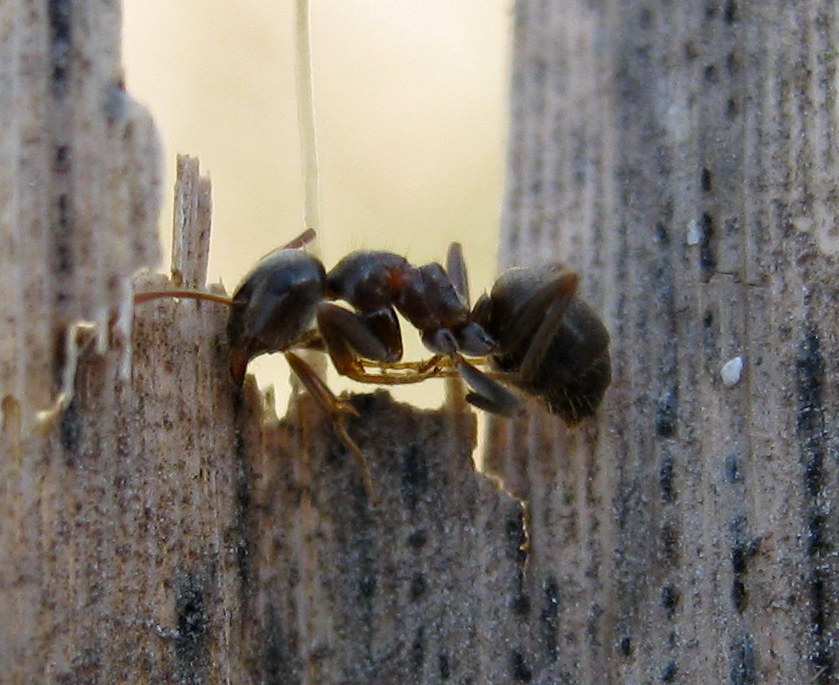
80,194
191,235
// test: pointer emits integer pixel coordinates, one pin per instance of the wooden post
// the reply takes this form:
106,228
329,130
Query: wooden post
682,157
158,525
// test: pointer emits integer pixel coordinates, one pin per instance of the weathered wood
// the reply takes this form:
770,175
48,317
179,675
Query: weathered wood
193,219
682,157
415,589
165,528
158,525
79,198
80,186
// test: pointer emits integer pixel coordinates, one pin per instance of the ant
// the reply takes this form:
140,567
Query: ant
275,306
549,343
531,329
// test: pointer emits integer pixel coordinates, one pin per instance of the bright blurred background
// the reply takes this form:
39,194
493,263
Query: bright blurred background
410,106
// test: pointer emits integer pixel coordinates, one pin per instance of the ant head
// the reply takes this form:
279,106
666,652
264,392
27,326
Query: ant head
274,306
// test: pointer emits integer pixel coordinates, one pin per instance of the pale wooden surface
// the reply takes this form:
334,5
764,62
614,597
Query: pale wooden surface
682,157
192,223
165,529
79,194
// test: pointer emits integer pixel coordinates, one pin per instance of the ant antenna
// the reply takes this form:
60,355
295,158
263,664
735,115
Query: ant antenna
300,241
183,294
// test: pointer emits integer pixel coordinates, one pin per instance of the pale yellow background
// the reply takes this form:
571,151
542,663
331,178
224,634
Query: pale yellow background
411,105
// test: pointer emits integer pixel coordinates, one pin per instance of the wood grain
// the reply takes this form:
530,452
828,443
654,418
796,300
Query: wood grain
680,158
167,527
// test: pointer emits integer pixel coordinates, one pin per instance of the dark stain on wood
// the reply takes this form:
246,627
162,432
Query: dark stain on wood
414,481
670,598
277,665
667,413
707,246
666,479
811,433
193,621
521,672
549,618
60,25
70,430
742,668
669,672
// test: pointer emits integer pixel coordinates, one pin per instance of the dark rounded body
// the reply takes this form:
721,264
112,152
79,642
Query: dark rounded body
532,326
572,370
367,279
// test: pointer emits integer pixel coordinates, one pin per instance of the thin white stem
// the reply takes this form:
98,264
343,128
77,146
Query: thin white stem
308,141
306,118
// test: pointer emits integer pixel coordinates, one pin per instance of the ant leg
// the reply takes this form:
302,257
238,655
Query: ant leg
402,373
560,292
437,366
540,318
438,361
349,336
456,270
337,410
489,394
317,388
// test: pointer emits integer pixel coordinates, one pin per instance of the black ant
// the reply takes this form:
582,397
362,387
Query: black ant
549,342
533,330
275,306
